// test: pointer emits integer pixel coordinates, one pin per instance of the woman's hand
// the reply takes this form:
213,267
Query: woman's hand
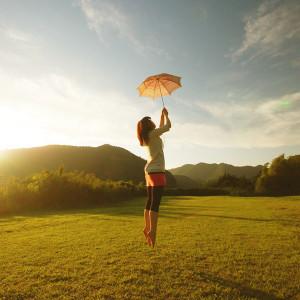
164,119
165,112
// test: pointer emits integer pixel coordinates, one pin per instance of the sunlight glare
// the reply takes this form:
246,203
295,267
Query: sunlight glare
18,130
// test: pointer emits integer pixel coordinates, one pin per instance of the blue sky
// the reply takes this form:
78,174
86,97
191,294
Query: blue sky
69,72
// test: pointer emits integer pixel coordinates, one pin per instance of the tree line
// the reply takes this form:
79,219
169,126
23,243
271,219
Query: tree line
281,177
59,190
74,189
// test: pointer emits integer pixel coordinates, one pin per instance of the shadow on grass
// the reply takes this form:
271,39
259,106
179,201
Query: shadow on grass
243,290
135,207
128,207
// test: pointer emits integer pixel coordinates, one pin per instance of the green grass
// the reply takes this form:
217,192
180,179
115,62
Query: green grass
207,248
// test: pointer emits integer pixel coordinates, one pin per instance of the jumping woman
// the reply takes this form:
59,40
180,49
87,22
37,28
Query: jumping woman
149,137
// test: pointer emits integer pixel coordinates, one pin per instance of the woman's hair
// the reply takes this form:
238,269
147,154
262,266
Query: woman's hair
144,126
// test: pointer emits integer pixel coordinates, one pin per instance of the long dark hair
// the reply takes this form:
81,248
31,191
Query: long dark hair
144,126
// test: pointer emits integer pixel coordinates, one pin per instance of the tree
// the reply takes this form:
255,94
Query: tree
235,185
281,177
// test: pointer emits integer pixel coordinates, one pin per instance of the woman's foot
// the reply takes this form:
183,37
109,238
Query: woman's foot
145,231
151,238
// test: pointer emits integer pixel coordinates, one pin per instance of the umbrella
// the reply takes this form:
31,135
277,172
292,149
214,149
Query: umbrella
159,85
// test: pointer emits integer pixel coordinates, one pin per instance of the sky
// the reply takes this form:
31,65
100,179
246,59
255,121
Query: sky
69,72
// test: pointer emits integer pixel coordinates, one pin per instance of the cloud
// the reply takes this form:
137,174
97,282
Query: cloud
102,14
53,109
104,17
271,30
17,47
270,123
17,37
296,63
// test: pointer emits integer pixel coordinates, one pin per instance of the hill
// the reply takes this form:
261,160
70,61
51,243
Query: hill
204,172
185,182
106,162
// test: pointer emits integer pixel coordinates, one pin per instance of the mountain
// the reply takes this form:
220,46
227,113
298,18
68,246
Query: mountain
106,162
204,172
185,182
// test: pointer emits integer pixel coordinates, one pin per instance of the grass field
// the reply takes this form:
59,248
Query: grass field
207,248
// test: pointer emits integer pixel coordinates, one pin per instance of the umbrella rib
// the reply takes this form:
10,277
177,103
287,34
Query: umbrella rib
155,88
144,83
165,87
177,83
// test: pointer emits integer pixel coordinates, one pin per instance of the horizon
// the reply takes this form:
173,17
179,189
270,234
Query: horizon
87,146
70,74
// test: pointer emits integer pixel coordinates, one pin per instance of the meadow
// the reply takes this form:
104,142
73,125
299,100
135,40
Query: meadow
207,248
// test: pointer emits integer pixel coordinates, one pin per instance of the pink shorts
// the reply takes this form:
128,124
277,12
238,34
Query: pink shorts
155,179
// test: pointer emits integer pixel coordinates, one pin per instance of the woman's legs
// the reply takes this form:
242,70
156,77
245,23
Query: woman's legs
146,213
157,192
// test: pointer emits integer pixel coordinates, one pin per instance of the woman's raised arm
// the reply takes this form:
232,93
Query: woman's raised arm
165,123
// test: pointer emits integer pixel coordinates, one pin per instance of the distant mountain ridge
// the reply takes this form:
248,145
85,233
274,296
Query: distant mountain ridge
106,161
203,172
109,162
185,182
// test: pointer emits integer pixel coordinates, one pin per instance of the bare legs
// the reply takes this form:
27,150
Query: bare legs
147,223
153,227
146,213
151,213
151,218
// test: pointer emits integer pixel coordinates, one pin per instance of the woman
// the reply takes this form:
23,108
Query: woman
149,137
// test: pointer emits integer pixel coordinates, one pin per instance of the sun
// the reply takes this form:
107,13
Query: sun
17,130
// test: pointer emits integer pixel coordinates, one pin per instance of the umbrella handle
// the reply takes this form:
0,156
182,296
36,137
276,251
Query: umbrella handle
162,99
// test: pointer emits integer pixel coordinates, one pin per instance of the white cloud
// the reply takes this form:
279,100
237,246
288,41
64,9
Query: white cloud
18,47
53,109
17,36
103,14
271,30
104,17
296,63
272,123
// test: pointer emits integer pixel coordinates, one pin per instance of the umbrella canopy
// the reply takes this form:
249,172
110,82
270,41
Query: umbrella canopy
159,85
